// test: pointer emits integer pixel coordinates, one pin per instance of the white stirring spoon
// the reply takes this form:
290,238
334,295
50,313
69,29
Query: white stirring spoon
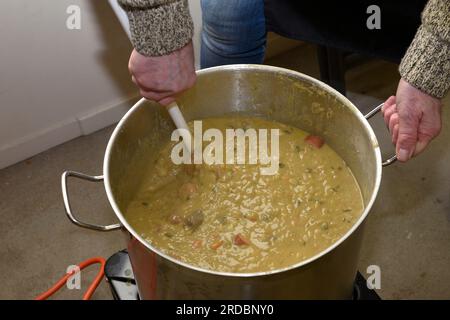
180,123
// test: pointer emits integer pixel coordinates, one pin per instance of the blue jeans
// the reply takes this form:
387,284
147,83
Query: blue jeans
234,31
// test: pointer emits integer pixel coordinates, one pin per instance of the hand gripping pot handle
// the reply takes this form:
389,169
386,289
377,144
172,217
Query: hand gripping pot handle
372,113
64,179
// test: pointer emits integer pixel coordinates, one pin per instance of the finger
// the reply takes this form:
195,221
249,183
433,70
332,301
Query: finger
429,127
149,87
153,87
176,87
388,112
166,101
395,134
155,96
390,101
407,133
393,120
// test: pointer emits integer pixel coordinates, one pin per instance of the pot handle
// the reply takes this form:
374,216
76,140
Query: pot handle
64,178
392,159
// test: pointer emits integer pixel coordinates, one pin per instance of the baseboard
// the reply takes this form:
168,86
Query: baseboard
104,116
28,146
96,119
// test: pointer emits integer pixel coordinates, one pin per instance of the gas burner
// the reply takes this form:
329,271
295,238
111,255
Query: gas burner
120,277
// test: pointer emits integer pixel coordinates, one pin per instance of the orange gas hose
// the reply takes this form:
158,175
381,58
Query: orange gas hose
88,294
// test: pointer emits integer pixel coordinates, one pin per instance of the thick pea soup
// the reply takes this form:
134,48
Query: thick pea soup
232,218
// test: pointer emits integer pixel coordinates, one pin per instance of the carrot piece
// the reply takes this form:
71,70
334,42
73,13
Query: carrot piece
315,141
240,240
197,244
216,245
253,217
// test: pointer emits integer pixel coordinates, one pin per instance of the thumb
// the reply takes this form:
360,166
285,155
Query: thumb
407,134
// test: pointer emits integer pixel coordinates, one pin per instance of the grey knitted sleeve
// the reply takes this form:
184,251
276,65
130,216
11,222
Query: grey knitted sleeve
426,64
158,27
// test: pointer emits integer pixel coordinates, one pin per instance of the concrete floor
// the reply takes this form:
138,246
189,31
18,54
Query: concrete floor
407,234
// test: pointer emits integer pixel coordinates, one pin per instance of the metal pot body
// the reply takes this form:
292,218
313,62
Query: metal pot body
273,93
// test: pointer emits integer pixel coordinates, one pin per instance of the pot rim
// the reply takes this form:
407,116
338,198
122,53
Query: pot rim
302,263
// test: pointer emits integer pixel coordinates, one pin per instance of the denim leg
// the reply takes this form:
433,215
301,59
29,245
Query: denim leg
234,31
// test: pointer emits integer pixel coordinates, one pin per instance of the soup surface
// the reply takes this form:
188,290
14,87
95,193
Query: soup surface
232,218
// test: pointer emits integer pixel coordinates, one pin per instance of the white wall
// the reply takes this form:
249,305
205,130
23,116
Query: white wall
55,83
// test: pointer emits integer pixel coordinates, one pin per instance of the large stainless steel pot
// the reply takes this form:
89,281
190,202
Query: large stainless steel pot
270,92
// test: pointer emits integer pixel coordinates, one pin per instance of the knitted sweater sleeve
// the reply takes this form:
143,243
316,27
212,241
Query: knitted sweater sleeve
426,64
158,27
